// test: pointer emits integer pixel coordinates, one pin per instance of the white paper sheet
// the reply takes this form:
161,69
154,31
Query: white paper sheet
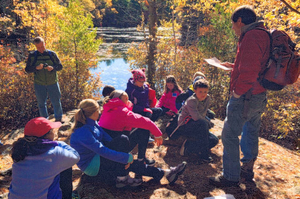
215,62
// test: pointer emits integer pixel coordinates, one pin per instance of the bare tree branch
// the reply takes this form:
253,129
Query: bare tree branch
290,7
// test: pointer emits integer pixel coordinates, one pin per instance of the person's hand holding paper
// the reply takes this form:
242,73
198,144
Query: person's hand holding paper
215,62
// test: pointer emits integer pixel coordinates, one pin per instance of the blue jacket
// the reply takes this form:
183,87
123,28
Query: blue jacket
138,96
38,176
90,140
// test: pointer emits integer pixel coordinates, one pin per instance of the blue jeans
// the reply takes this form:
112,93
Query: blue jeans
53,92
236,125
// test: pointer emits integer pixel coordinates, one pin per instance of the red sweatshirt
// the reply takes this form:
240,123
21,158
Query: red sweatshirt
252,53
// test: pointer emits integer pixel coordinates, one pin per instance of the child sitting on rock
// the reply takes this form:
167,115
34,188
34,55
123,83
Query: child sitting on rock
194,125
190,91
107,157
167,100
38,162
138,93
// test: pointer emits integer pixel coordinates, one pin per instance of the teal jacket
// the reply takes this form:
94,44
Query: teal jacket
43,76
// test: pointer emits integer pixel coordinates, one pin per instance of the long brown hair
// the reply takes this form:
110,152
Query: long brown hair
86,108
171,79
20,147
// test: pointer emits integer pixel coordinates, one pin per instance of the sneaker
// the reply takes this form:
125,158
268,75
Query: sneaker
221,181
175,172
182,151
206,159
131,182
149,162
151,140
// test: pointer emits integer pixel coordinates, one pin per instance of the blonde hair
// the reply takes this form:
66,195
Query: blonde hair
86,108
198,74
112,95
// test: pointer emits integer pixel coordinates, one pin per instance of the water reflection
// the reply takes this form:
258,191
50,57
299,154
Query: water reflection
114,69
114,72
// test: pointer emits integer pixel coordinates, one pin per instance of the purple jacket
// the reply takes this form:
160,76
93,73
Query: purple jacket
138,96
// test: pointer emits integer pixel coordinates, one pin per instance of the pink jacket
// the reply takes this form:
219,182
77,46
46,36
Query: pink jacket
116,116
168,100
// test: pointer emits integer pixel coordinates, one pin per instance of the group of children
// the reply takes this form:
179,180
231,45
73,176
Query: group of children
102,147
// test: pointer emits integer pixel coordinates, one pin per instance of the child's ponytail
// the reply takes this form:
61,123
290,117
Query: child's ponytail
86,108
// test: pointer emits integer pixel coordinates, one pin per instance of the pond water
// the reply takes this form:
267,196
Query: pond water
114,72
114,69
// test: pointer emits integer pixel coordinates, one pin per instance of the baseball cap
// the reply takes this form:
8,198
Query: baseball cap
39,126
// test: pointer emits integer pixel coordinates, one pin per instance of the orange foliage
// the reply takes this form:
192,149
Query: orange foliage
17,99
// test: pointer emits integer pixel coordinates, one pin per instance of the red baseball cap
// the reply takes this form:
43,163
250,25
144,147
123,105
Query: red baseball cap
40,126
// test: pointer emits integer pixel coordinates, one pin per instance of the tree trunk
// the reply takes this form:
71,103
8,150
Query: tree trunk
76,73
152,41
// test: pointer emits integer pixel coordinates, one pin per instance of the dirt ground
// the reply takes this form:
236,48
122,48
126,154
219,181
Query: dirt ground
277,172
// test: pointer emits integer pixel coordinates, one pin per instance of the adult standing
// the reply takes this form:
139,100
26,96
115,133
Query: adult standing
248,99
45,64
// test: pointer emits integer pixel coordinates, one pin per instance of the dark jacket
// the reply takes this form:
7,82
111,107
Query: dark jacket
183,97
43,76
138,96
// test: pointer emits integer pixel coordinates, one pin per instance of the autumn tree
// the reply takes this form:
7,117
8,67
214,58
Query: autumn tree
78,43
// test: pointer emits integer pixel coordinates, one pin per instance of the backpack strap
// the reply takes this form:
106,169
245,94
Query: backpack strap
35,57
263,69
50,53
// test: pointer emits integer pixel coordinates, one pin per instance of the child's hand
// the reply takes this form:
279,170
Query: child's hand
170,113
147,110
158,140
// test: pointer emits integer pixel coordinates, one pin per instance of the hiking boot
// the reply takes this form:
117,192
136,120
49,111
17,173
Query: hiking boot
221,181
59,120
175,172
183,149
247,175
247,170
128,182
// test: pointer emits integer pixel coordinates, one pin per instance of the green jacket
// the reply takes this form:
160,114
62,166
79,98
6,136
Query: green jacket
43,76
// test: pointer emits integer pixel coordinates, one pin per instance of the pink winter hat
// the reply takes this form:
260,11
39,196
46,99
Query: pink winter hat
139,74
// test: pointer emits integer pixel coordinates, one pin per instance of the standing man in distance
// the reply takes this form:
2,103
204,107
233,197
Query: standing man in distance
44,64
248,99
